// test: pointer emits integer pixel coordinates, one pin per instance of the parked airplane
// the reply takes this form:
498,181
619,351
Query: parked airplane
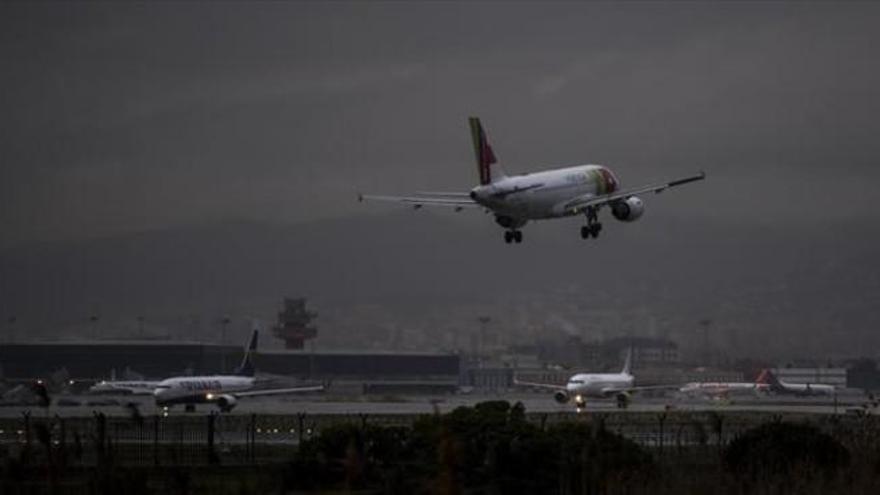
582,386
723,390
222,390
517,199
779,386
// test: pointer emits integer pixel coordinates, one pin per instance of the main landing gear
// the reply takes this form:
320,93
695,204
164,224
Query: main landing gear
593,226
513,236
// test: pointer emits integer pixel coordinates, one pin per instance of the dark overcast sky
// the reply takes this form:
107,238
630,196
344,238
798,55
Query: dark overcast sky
117,118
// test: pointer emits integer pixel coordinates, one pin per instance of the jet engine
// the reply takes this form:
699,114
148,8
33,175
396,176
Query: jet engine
628,210
561,396
226,402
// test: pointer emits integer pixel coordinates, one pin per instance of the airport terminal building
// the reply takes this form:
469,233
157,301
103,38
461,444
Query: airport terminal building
96,360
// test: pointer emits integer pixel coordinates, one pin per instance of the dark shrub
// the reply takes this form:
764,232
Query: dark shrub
784,449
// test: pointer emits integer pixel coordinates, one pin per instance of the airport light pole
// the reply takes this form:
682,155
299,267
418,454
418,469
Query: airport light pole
484,322
224,322
12,319
94,321
705,323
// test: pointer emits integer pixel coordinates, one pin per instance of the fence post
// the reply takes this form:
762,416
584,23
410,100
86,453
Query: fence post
661,419
100,437
156,440
212,455
62,445
253,437
25,454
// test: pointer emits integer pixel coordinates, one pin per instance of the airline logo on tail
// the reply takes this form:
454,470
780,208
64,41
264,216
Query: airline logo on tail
483,152
763,377
247,365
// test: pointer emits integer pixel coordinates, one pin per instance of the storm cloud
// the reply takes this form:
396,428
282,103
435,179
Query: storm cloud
124,118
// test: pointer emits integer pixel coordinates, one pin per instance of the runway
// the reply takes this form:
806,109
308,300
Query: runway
88,405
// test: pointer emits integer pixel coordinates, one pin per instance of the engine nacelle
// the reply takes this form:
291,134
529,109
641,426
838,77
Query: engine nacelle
628,210
226,402
561,397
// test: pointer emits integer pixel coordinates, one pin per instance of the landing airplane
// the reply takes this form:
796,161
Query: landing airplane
222,390
782,387
582,386
517,199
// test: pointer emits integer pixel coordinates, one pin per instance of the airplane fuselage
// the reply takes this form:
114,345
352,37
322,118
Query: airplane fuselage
805,389
722,388
134,387
543,195
198,389
598,385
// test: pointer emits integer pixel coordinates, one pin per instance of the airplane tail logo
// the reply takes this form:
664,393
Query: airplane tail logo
482,151
762,378
247,364
766,377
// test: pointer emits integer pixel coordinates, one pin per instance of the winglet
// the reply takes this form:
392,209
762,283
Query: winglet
685,180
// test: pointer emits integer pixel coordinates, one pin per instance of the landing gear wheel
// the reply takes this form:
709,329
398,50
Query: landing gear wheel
517,236
508,236
593,227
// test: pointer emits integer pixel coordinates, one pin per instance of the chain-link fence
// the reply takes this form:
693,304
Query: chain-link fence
221,439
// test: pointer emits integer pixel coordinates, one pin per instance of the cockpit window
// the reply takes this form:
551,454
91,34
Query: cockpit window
576,381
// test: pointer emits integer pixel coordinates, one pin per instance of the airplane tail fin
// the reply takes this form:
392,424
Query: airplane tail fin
762,378
247,364
766,377
487,164
627,365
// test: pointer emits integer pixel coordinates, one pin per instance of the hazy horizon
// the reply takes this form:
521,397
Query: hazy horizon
182,160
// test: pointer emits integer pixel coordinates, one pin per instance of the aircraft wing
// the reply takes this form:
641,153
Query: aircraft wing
577,204
458,201
548,386
279,391
635,390
448,194
134,387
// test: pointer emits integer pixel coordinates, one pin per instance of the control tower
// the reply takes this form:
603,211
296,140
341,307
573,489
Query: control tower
294,323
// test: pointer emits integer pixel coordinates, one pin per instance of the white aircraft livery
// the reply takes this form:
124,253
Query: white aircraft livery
134,387
782,387
582,386
222,390
563,192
